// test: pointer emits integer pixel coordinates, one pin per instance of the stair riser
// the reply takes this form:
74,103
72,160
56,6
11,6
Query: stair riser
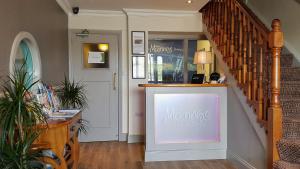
286,61
289,97
285,165
291,104
290,78
290,69
292,83
290,112
290,91
291,130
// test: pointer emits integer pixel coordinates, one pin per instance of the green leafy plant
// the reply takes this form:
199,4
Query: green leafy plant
20,155
19,114
83,126
72,95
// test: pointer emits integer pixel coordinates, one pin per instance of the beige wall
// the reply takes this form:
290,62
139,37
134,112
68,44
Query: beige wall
47,23
160,23
285,10
133,108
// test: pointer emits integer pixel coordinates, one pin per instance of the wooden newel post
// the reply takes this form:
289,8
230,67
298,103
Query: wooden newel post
275,110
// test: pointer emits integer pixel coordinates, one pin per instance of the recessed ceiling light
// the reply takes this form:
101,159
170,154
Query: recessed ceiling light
189,1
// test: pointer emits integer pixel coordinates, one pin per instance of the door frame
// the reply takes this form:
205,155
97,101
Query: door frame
121,136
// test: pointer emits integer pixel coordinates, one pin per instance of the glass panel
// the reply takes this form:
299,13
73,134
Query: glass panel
165,61
96,55
191,67
24,58
175,114
138,67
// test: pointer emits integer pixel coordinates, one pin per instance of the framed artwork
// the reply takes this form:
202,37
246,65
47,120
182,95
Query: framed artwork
96,55
138,67
138,42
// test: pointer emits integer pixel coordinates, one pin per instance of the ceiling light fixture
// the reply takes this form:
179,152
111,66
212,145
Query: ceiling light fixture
189,1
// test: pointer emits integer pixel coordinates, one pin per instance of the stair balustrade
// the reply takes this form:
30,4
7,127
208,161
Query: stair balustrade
252,53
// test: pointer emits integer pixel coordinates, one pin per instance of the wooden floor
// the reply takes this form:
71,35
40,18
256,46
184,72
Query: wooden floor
120,155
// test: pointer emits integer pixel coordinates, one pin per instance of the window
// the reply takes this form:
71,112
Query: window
171,60
25,52
24,58
191,67
165,61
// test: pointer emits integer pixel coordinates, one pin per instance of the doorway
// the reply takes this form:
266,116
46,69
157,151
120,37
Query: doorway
94,62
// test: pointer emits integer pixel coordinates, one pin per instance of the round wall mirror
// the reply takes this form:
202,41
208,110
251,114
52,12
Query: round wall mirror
25,52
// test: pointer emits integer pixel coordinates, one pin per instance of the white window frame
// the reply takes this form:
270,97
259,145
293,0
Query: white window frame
35,52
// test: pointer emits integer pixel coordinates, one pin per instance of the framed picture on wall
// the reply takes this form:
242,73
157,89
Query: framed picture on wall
138,67
138,42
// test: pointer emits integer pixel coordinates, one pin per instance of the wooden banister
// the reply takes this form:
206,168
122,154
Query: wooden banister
275,112
252,53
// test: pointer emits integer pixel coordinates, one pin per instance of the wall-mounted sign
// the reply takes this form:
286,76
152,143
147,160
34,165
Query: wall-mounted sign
138,42
96,55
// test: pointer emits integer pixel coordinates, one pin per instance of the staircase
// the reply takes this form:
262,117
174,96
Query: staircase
265,74
289,145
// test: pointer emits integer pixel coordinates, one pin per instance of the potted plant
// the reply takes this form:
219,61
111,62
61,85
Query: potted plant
19,114
72,96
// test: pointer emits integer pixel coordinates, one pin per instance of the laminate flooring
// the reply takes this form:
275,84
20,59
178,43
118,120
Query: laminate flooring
120,155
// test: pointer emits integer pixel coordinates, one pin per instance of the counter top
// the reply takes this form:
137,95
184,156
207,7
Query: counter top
183,85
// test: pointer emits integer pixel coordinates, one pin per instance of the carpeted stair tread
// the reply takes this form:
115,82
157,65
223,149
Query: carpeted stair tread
284,100
290,73
290,103
285,97
290,107
288,112
289,146
285,165
290,90
292,83
289,150
286,60
291,77
291,127
290,69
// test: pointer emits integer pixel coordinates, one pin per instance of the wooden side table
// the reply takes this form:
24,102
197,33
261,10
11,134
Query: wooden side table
61,136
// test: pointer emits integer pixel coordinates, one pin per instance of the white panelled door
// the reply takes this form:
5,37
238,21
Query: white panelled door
101,87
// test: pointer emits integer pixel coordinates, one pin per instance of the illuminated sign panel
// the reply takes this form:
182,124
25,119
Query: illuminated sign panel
186,118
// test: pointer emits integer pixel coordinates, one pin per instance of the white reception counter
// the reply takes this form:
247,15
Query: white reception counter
185,121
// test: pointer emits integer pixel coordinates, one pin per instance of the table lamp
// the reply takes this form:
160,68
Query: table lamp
203,57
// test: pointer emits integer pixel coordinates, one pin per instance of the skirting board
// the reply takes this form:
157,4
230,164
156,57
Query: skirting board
135,139
238,161
177,155
123,136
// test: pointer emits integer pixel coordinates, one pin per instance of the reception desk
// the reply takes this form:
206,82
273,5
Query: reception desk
185,121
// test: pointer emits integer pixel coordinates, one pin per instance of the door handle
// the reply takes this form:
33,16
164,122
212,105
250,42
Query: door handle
114,81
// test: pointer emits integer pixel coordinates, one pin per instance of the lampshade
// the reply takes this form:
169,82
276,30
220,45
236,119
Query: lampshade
103,47
202,57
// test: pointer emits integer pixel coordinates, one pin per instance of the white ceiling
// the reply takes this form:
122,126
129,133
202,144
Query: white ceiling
118,5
